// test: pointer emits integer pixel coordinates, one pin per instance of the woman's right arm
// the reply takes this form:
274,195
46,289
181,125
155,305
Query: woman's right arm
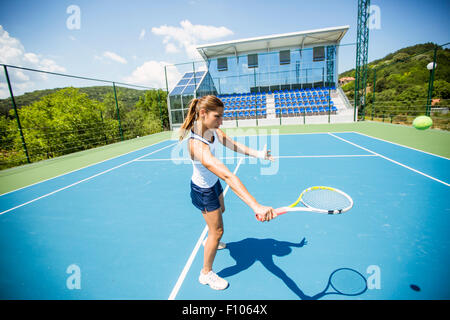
200,152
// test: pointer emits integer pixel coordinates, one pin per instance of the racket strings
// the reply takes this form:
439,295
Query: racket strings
325,199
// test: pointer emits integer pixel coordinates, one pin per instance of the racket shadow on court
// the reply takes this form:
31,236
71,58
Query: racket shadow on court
342,281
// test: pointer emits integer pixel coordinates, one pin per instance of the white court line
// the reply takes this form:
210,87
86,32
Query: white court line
188,264
89,165
276,157
401,145
330,156
78,182
389,159
277,133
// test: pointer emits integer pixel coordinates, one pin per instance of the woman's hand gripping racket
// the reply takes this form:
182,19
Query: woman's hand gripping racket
319,199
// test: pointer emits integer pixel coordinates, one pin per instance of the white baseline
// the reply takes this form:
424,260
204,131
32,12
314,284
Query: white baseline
393,161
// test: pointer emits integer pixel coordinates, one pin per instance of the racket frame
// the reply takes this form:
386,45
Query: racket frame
307,208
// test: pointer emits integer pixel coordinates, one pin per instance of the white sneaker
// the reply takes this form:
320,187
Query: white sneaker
213,280
222,245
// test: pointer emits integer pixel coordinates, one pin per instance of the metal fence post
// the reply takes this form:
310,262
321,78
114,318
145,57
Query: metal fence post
195,82
329,105
117,109
160,113
17,115
430,83
373,90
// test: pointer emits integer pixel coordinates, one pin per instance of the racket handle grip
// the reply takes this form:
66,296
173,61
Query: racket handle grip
276,212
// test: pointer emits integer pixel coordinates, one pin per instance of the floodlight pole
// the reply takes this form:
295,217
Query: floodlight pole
362,48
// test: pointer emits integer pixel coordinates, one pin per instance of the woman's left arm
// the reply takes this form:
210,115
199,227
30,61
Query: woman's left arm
241,148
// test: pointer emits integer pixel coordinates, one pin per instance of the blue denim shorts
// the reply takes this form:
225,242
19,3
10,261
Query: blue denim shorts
206,198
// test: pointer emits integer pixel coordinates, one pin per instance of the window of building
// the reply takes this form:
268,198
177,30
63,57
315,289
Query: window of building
222,64
253,60
318,53
285,57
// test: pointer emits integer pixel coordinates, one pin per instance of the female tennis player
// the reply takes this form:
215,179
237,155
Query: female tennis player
202,122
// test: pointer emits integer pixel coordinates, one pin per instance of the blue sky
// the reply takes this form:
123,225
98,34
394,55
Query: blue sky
130,41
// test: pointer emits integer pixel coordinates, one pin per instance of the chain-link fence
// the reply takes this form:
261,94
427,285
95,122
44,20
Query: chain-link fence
76,114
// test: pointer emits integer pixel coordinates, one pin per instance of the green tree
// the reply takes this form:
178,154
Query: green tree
63,122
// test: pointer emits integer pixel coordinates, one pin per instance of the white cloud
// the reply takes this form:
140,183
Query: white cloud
142,34
151,74
114,56
188,36
21,76
4,92
31,58
12,52
171,48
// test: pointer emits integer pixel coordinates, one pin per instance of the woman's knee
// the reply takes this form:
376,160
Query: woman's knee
216,232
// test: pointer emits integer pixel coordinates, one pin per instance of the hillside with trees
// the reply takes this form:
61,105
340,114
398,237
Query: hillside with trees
401,85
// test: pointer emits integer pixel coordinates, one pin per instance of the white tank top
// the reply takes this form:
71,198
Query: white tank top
201,176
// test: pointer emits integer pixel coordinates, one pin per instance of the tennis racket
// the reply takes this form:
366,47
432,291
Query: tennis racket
319,199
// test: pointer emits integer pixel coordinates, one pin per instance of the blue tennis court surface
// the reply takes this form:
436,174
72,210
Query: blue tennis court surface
125,228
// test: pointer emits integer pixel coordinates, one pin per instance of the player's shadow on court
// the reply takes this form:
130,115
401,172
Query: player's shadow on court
250,250
246,252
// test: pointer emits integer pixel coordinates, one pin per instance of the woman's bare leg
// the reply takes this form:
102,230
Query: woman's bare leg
215,231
